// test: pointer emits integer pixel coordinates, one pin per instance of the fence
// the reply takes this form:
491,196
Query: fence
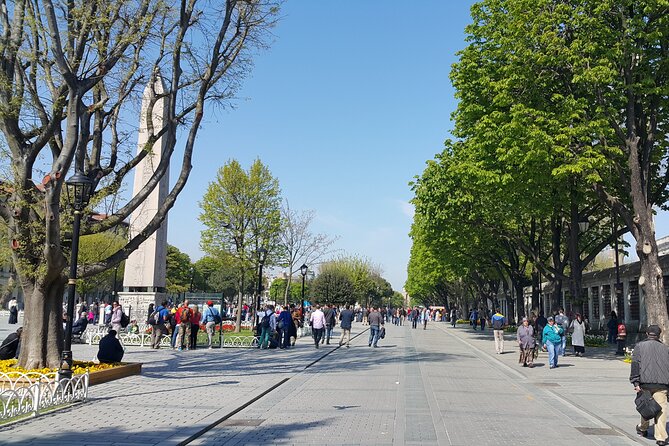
29,394
92,336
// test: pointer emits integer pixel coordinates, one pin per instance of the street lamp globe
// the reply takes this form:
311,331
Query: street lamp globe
79,188
304,269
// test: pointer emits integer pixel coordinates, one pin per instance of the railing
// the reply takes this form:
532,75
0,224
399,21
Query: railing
144,340
29,394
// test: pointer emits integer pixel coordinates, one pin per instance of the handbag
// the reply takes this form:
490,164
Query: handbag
382,332
646,405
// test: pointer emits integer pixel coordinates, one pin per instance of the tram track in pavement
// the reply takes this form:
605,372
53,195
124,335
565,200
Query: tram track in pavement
263,394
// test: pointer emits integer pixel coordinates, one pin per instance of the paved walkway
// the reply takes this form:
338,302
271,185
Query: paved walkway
439,386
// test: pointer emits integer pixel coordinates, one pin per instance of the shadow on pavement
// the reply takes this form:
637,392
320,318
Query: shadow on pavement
232,429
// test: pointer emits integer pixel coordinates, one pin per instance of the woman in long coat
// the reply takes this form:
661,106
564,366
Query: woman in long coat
13,311
578,329
525,336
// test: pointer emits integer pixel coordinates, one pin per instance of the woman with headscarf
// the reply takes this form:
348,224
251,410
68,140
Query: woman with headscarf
525,335
552,341
578,328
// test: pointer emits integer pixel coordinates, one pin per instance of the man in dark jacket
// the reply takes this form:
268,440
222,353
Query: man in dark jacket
330,321
346,320
110,349
11,345
650,372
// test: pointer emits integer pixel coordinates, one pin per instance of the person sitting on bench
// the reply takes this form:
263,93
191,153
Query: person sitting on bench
11,345
110,348
80,325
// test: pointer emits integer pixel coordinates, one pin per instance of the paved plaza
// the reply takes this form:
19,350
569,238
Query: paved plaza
440,386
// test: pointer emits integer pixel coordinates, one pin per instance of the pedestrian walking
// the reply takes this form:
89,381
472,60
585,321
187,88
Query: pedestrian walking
621,338
526,343
330,321
414,317
297,323
283,325
650,373
317,320
345,322
195,320
563,321
185,315
498,323
612,326
578,328
365,314
473,318
210,317
552,341
425,317
13,308
375,323
158,328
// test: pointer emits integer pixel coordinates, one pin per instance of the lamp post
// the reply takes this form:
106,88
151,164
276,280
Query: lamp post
303,270
79,188
262,255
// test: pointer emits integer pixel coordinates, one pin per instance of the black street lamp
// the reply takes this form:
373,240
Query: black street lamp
79,188
262,256
583,224
303,270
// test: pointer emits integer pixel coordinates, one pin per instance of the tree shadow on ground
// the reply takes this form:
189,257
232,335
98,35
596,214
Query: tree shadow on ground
224,433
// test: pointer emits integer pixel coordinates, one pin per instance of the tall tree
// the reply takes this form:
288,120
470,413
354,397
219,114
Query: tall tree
582,84
298,245
241,214
71,76
180,271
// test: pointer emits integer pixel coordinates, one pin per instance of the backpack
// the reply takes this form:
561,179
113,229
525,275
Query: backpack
497,323
125,320
217,318
154,318
264,323
184,315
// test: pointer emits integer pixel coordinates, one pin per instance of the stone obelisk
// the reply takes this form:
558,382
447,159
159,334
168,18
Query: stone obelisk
145,268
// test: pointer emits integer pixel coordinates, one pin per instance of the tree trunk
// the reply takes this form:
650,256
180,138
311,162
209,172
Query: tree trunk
520,300
556,298
535,291
240,304
42,338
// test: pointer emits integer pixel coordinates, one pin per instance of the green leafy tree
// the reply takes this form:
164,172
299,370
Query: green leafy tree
94,248
278,288
332,286
578,85
241,214
180,271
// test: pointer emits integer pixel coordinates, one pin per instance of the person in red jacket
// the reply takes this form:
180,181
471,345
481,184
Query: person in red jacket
621,338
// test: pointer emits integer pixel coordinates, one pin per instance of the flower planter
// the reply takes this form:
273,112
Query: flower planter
123,371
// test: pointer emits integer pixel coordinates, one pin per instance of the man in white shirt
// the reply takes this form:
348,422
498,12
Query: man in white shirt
317,321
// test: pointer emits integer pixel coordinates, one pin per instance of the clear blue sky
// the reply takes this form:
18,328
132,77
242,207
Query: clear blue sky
345,108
